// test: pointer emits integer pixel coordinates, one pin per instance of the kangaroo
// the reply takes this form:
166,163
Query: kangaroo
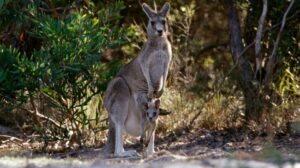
142,123
157,53
144,76
149,121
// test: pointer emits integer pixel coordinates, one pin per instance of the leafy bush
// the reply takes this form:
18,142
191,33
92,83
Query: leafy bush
66,72
13,82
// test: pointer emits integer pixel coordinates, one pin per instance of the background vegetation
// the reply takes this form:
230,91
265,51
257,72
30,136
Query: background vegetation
56,58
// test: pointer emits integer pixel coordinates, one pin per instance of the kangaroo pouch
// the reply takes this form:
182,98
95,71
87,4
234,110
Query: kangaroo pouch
133,123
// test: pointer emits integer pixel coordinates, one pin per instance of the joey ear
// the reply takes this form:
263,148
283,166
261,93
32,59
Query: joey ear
165,9
157,103
145,106
150,12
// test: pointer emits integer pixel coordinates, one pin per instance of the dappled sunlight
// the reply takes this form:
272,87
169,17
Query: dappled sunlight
199,83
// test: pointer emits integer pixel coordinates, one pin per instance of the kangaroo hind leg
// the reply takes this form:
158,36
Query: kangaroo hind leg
118,112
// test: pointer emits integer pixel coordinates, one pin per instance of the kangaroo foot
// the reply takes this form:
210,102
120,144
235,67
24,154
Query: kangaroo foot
128,153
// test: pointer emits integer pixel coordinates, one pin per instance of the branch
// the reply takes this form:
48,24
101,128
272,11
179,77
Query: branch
211,47
11,138
54,10
35,110
218,88
231,70
279,23
57,103
237,50
36,113
259,35
273,58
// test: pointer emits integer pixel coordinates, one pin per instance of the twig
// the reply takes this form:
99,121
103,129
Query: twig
279,23
234,66
54,10
211,47
55,14
57,103
103,120
273,58
11,138
259,35
221,83
35,109
44,117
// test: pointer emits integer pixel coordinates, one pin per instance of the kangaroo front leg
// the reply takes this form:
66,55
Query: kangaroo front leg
164,81
119,149
146,73
150,148
143,136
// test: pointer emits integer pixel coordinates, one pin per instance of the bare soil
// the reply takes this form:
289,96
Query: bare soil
200,148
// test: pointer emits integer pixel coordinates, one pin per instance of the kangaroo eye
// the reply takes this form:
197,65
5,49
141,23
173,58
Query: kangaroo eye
152,23
154,114
163,22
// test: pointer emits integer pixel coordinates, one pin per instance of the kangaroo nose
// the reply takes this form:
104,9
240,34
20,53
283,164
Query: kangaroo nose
159,32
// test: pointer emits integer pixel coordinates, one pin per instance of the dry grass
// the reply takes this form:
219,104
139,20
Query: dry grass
183,105
218,113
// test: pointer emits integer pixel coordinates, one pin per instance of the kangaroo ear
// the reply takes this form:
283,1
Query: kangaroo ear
157,103
165,9
145,106
150,12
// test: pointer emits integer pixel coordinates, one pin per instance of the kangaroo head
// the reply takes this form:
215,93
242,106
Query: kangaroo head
152,109
157,24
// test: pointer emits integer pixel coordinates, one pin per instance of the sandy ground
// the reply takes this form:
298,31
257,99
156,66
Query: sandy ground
198,149
165,161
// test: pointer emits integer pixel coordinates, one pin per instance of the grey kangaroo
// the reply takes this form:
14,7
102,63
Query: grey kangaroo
144,76
149,122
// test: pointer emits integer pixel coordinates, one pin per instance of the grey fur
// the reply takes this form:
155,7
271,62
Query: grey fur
144,77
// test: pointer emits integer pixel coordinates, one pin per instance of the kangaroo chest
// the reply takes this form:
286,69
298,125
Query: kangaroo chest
158,53
159,60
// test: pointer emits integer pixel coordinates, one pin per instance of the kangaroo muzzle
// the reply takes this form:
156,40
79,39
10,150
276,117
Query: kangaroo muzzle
160,32
159,29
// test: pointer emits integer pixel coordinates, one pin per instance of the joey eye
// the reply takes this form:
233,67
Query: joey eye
152,23
154,114
163,22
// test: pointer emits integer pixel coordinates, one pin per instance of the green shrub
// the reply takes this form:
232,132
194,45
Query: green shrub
65,73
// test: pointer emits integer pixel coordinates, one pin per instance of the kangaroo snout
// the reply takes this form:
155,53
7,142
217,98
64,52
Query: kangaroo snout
152,119
160,32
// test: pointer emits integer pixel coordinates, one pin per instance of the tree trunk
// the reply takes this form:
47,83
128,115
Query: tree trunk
244,71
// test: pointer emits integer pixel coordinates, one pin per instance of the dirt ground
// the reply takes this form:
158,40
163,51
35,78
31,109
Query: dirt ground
197,149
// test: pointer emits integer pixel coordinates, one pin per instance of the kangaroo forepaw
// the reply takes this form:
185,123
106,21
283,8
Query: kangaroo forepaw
150,92
150,95
159,93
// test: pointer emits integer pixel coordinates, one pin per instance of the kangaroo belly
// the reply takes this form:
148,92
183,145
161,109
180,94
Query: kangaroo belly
157,76
133,125
157,69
